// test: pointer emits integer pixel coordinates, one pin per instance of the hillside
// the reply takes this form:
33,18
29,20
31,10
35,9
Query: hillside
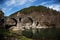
40,9
44,15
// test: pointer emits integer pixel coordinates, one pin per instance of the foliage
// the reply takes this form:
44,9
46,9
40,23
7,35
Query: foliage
1,14
24,38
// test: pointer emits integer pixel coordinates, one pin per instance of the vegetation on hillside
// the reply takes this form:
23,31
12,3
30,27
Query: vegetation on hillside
36,9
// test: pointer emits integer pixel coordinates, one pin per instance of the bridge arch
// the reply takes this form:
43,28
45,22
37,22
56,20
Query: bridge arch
7,25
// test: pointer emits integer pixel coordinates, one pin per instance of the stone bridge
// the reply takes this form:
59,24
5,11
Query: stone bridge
19,23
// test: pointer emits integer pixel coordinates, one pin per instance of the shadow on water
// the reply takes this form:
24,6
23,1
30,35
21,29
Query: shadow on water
43,34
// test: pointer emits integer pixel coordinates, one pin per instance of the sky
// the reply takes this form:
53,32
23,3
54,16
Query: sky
11,6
